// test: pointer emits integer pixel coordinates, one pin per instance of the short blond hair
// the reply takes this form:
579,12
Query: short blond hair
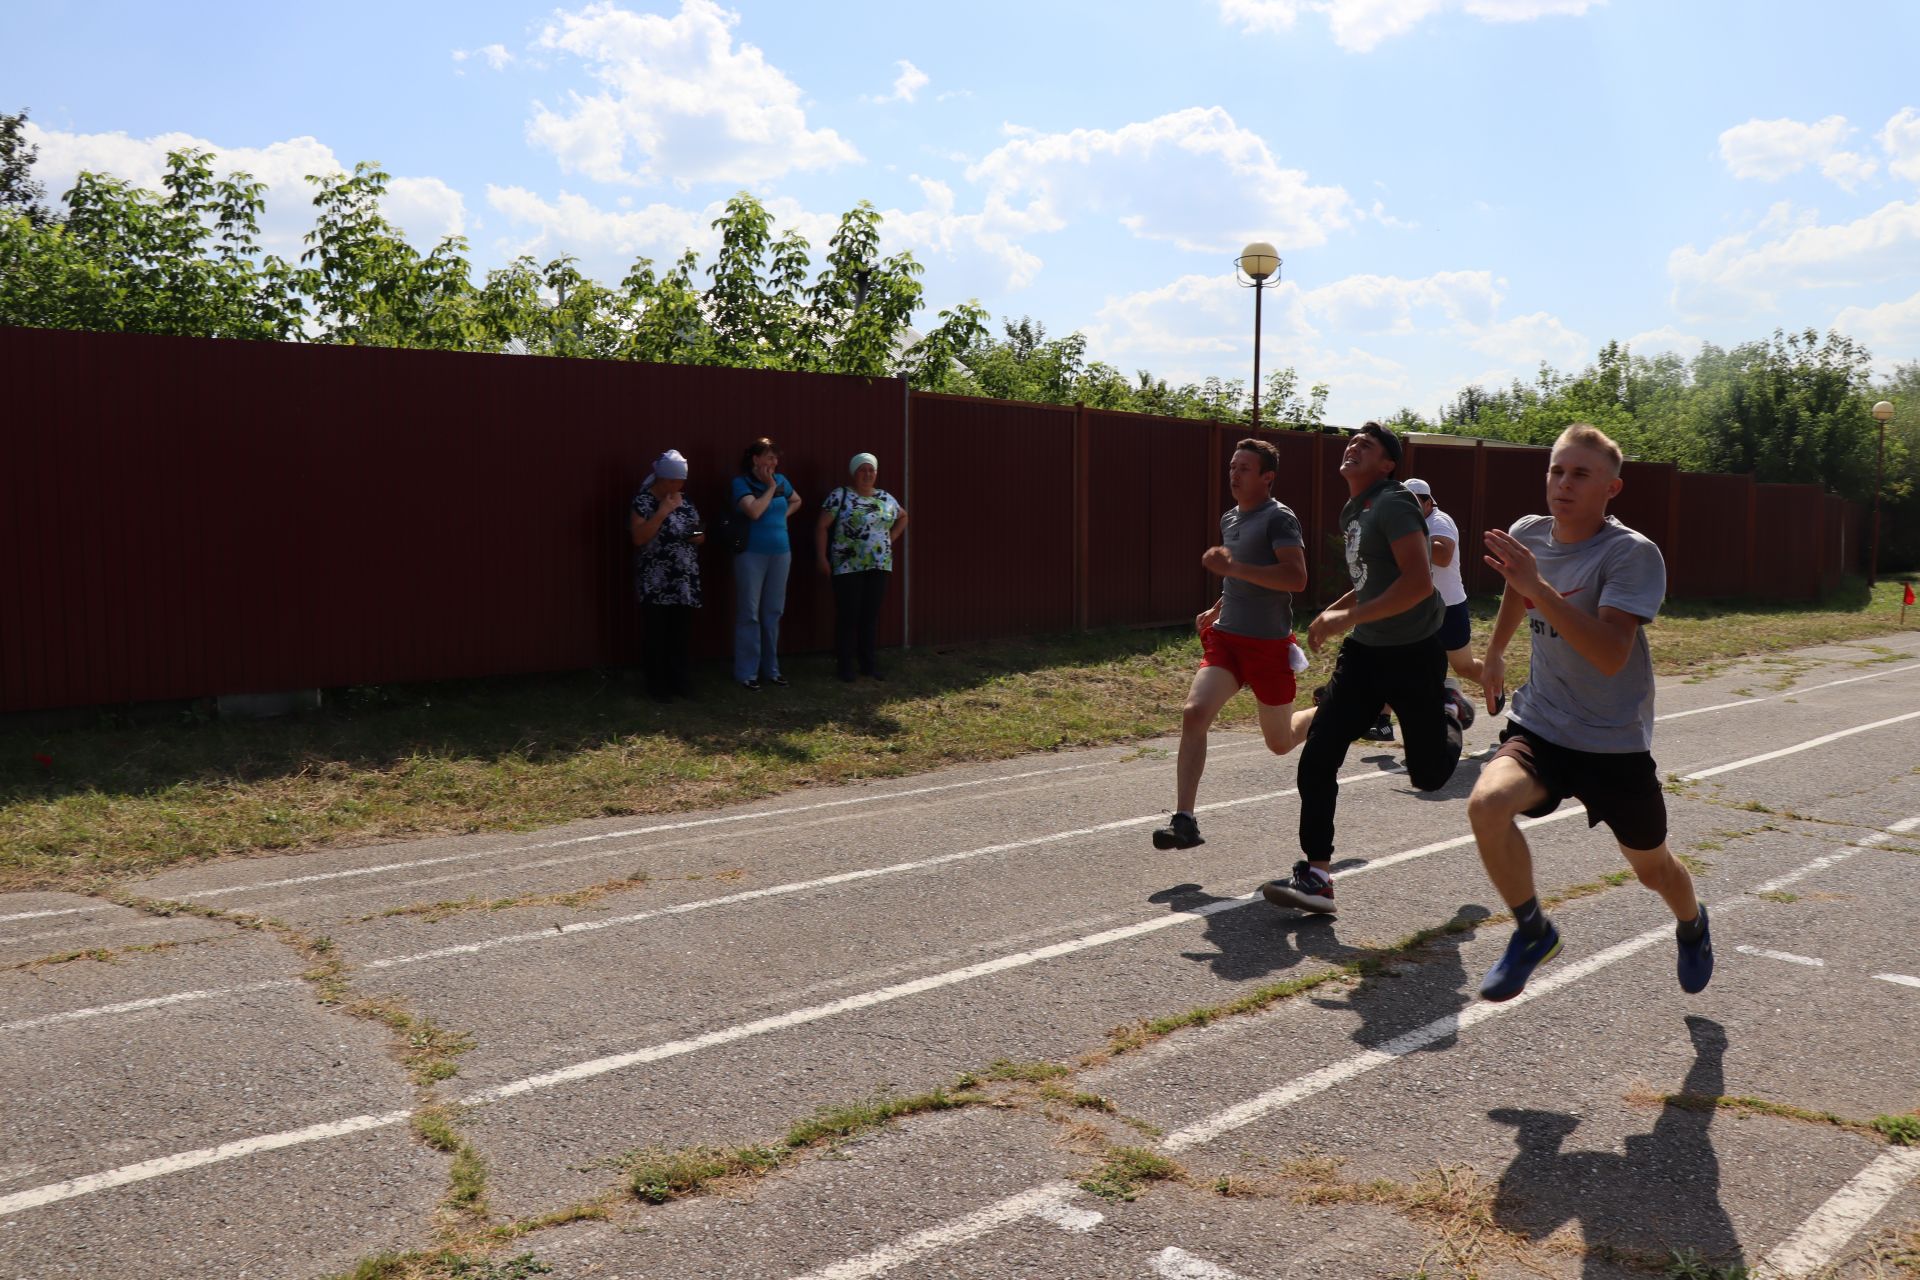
1589,436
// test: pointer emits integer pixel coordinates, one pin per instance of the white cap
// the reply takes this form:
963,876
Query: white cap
1419,487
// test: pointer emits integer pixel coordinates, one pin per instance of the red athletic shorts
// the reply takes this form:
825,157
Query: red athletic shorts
1259,664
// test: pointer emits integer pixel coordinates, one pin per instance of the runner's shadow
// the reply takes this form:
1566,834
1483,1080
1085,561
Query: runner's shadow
1396,995
1661,1196
1246,944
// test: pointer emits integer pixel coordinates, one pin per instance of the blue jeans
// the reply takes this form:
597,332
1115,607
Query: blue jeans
759,598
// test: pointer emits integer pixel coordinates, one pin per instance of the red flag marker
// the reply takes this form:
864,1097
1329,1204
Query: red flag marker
1908,599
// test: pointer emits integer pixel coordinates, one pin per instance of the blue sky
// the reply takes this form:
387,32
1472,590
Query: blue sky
1460,188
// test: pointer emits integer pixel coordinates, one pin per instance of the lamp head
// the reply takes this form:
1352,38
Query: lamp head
1883,411
1259,260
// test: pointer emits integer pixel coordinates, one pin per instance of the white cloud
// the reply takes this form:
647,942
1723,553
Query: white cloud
426,204
1665,338
1750,269
1381,342
1773,149
495,56
1169,179
1380,215
908,83
680,102
1382,305
969,243
1901,141
1527,340
426,208
1892,329
1360,26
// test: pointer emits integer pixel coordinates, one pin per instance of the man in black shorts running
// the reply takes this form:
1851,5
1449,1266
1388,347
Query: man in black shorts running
1393,657
1246,638
1582,724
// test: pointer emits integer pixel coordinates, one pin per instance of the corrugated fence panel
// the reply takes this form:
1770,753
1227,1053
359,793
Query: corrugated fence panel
194,517
1790,539
1646,502
1711,555
1448,470
1153,573
991,530
181,517
1120,541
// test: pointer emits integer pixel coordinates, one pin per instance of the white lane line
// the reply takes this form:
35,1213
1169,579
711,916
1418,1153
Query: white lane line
846,877
152,1002
981,1222
1827,1230
826,805
1241,1114
746,895
1791,693
64,911
194,1159
652,829
864,1000
1900,978
1810,961
1798,747
1177,1264
1069,1218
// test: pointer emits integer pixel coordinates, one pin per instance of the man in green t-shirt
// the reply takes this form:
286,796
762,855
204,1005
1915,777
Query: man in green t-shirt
1393,656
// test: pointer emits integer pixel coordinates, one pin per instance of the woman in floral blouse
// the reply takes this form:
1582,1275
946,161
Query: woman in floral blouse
666,573
859,523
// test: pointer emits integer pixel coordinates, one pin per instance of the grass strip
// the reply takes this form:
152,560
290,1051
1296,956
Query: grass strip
97,796
657,1175
1124,1172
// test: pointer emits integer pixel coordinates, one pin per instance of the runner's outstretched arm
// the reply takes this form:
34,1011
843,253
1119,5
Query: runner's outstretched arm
1493,667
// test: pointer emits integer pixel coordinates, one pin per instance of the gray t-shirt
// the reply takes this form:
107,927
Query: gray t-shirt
1370,524
1247,609
1565,699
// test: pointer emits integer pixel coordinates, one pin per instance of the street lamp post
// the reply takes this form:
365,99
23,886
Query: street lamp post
1882,413
1257,262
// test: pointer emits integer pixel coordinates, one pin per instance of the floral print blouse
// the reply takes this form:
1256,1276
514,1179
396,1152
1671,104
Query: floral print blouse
862,534
667,569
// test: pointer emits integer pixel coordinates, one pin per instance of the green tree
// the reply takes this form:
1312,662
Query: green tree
180,262
20,195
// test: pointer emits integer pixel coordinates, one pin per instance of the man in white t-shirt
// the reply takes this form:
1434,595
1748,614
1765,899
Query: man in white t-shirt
1443,540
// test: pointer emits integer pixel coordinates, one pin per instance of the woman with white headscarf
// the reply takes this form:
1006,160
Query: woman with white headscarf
666,573
859,523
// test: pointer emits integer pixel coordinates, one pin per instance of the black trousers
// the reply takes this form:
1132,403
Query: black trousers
1410,678
664,640
857,598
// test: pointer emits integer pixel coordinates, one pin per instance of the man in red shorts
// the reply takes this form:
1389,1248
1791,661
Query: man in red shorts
1247,637
1582,724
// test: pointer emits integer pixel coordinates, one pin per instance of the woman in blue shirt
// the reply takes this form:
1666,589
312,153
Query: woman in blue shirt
767,498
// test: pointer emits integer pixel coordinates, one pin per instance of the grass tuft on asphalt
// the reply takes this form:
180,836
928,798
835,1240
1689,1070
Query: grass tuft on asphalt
91,798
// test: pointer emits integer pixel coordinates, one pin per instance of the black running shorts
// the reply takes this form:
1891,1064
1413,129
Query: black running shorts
1621,789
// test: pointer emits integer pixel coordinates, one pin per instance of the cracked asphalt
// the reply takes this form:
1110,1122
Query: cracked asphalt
192,1106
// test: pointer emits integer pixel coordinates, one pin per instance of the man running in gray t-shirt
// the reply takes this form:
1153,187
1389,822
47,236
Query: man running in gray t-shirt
1582,725
1246,638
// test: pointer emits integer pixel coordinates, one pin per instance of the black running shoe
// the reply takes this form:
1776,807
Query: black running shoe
1382,730
1460,709
1307,889
1181,832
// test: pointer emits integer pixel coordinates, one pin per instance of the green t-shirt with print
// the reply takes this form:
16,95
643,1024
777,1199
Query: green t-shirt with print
1369,526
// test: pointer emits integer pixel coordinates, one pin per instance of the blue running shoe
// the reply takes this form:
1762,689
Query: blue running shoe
1508,978
1696,958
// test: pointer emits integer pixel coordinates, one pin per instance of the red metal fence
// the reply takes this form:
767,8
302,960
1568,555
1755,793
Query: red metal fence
183,517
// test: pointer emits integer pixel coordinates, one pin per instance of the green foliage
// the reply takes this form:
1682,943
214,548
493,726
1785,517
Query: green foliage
1026,365
1794,409
1901,1131
20,195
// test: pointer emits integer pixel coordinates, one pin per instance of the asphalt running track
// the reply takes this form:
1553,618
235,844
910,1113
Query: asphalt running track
194,1110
